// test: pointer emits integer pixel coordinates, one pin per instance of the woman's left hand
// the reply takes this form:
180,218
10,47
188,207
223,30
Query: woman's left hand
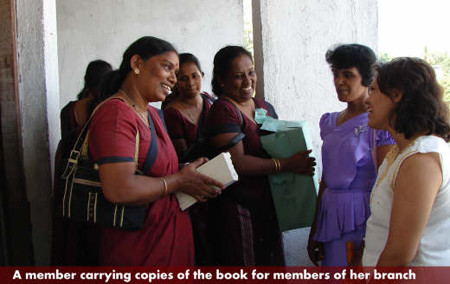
300,163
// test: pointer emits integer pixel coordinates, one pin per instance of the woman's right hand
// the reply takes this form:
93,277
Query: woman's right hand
300,163
315,251
199,186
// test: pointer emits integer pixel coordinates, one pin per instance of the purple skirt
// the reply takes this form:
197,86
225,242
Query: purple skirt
341,212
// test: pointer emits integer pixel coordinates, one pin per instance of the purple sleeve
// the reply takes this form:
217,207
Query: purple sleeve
325,125
384,138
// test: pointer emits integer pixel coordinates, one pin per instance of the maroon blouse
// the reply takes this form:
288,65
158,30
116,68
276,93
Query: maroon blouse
179,127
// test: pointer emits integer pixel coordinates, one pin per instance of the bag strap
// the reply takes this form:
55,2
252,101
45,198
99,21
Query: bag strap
161,115
151,154
81,142
82,136
80,148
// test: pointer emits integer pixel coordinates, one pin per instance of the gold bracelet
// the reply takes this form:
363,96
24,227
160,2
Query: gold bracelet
166,187
277,165
274,164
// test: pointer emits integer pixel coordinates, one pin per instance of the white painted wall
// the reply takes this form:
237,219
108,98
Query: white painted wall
291,40
103,29
51,77
38,90
295,36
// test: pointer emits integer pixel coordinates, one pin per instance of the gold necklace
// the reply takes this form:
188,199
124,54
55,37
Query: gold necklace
141,115
391,156
244,110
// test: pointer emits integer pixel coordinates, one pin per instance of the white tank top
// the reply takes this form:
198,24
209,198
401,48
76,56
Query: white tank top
434,245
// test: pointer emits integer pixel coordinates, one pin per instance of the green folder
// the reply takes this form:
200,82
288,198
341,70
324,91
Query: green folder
294,195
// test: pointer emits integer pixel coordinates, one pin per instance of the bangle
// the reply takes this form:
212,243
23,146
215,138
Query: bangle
277,164
165,187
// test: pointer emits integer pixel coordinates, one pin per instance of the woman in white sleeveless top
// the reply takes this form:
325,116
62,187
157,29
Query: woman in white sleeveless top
410,203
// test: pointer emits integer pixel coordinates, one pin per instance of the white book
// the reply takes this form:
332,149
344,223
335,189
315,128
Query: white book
219,168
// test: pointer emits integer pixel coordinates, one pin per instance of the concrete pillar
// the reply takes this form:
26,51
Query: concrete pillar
38,106
14,207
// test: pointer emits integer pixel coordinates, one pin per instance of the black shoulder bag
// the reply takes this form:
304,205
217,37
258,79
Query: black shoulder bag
83,199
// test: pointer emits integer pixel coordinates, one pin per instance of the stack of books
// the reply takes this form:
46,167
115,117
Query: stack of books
219,168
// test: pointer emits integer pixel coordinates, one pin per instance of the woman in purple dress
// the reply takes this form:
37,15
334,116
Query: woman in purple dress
247,228
351,153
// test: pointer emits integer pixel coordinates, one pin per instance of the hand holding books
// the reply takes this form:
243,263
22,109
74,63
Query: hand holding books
219,168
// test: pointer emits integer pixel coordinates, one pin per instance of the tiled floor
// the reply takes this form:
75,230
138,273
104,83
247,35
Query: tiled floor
295,242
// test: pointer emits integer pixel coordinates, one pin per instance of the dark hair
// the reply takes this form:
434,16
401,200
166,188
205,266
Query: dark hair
421,108
95,71
353,55
183,58
107,89
222,64
189,58
146,47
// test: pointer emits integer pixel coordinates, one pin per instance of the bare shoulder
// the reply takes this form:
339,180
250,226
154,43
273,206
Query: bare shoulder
421,162
420,171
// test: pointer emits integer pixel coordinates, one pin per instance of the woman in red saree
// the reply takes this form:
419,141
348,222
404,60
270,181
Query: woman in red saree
146,74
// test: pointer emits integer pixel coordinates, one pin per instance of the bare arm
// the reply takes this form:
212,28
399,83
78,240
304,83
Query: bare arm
299,163
418,181
121,185
312,244
322,188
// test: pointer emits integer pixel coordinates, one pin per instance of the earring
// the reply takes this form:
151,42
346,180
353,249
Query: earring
137,71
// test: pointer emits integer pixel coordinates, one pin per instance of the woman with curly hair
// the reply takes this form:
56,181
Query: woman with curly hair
410,202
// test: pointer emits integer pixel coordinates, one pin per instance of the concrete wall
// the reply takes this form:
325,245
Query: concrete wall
51,77
102,29
14,208
294,38
291,41
38,91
